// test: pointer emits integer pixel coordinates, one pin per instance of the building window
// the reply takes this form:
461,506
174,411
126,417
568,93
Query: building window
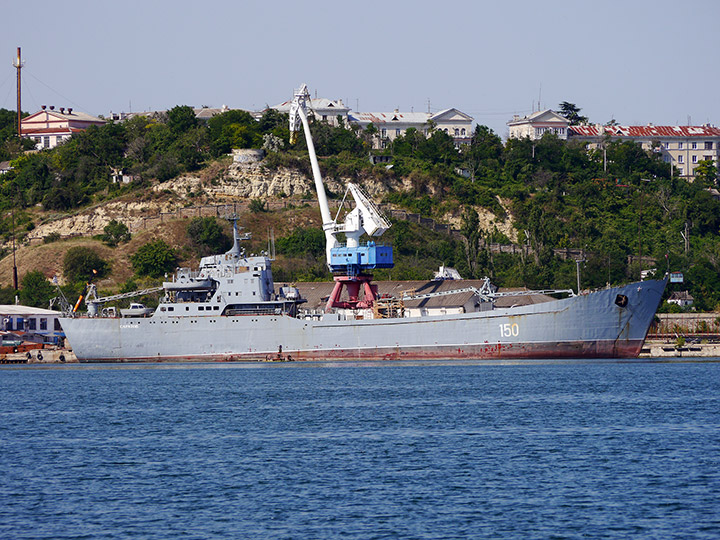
46,141
457,132
462,131
666,145
43,323
680,146
694,159
680,159
694,146
681,171
20,323
383,133
324,117
397,132
708,145
32,324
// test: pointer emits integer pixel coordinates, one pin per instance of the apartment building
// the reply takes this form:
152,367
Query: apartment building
682,146
537,124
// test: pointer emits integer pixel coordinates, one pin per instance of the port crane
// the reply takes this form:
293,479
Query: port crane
350,262
93,303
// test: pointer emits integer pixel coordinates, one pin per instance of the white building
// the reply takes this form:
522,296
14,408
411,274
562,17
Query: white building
31,321
681,298
391,125
50,127
325,110
535,125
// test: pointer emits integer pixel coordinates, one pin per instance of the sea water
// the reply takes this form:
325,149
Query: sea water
361,451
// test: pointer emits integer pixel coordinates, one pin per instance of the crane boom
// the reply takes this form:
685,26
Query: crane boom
132,294
298,117
365,218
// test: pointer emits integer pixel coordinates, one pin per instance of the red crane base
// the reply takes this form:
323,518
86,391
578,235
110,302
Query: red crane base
353,284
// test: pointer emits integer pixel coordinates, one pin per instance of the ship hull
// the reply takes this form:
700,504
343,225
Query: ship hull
585,326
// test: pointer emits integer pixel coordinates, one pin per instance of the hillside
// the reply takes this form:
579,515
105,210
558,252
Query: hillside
623,210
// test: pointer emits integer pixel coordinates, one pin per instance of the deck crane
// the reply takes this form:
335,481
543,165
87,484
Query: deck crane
350,262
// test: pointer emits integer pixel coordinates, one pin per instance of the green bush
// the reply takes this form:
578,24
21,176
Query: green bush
115,233
84,264
208,236
52,237
154,259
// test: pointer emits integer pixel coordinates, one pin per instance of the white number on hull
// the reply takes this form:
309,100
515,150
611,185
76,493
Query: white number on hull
508,330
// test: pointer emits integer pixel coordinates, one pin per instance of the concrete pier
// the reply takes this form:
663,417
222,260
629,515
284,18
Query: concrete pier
39,356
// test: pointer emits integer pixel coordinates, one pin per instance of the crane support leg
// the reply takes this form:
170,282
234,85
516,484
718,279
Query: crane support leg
354,284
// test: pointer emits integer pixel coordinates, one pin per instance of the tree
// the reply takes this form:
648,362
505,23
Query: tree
35,289
483,152
308,242
706,174
572,113
154,259
116,232
236,129
208,236
83,264
470,229
181,118
7,295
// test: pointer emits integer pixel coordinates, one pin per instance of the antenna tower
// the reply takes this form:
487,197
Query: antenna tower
18,65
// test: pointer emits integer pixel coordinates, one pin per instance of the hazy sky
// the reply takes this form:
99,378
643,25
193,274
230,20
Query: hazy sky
637,61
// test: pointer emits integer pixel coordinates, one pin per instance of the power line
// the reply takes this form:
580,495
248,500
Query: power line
7,95
500,113
55,91
32,96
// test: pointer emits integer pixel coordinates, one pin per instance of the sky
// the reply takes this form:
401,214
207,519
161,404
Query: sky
635,61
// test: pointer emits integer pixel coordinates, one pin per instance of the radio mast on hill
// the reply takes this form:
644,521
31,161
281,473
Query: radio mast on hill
18,64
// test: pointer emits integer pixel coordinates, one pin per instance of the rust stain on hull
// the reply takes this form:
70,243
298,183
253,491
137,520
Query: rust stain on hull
496,351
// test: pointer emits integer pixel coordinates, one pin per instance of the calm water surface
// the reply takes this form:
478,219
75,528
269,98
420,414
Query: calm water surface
421,451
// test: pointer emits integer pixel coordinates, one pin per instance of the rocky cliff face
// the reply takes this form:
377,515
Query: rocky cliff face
236,182
253,181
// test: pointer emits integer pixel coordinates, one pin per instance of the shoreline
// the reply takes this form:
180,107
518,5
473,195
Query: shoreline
668,348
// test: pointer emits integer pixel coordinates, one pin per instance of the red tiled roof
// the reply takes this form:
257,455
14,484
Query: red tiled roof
646,131
41,131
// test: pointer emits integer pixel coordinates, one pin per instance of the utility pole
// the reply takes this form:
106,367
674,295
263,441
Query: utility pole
18,65
15,279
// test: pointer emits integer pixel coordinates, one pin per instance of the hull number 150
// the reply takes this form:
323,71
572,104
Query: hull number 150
509,330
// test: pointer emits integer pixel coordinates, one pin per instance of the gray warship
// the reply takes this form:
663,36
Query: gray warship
229,309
